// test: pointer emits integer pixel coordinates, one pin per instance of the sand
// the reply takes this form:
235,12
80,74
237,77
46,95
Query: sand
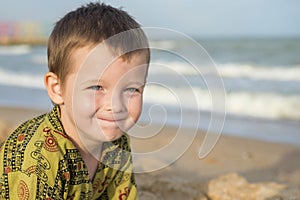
188,176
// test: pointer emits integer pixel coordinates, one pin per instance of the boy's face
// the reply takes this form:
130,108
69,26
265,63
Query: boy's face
102,95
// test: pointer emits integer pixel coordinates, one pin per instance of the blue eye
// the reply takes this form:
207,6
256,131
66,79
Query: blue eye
95,87
132,90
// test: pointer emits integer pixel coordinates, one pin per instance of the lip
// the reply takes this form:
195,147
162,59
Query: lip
109,120
109,123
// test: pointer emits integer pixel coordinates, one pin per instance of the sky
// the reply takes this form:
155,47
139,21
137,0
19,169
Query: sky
193,17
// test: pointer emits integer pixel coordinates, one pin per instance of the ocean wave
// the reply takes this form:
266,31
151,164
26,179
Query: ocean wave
266,104
255,104
163,44
39,60
15,50
231,71
284,73
234,70
21,79
166,68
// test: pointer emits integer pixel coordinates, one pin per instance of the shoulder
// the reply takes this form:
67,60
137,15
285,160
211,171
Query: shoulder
23,133
17,149
38,139
38,150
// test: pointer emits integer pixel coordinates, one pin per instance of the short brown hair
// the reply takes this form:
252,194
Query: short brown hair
90,25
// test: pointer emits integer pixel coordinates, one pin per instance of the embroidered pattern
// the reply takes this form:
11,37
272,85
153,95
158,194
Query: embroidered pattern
23,191
40,161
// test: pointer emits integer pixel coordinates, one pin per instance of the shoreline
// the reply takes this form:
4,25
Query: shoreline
269,130
282,131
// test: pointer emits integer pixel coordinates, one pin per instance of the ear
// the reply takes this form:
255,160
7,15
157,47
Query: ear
53,87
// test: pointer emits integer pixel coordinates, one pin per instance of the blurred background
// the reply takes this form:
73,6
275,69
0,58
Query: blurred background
254,44
203,18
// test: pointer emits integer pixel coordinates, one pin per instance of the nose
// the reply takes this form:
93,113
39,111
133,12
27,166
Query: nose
113,102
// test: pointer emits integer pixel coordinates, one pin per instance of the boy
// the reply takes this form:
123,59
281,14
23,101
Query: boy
96,78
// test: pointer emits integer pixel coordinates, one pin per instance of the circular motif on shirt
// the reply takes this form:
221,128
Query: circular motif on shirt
7,170
21,137
23,191
66,175
51,144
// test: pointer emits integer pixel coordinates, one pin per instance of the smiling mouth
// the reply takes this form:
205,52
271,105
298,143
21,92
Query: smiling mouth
110,121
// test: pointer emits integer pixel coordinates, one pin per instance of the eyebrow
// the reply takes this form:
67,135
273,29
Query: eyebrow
95,81
136,82
139,83
99,81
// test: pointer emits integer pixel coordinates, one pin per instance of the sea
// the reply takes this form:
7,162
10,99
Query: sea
252,87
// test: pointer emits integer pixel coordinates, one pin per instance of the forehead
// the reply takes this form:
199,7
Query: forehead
88,62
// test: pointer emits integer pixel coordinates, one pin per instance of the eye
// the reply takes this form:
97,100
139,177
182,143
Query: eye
132,90
95,87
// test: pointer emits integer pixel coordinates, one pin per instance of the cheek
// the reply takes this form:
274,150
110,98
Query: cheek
135,107
84,104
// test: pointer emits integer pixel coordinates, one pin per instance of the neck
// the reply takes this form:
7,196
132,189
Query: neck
91,163
89,149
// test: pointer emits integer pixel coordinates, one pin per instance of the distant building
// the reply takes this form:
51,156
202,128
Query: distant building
24,32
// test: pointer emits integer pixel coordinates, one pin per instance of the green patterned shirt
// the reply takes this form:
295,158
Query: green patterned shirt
38,161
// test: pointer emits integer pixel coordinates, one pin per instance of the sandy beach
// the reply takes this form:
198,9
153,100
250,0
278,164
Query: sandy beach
190,177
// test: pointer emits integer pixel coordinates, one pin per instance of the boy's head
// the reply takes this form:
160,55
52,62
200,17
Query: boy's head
88,26
97,73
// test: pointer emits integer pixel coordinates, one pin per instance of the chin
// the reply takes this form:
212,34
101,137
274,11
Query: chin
112,136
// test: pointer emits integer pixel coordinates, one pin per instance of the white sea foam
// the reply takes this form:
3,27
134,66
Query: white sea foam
21,79
164,68
265,105
15,50
284,73
39,59
269,105
163,44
